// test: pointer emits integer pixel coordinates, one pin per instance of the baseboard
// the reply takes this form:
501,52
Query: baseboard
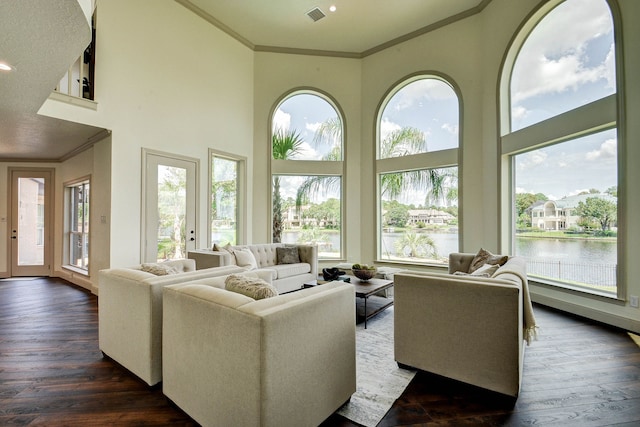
588,312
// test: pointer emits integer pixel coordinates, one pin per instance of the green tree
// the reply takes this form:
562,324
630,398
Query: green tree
327,212
417,244
598,210
613,191
523,203
285,145
396,214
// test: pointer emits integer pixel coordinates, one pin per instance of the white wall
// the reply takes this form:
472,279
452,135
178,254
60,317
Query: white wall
169,81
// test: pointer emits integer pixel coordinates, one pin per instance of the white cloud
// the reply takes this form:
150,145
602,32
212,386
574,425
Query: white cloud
313,127
420,90
281,120
532,159
519,112
386,127
452,129
554,58
607,150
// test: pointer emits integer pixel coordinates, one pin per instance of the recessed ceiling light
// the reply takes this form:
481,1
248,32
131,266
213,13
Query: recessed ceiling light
5,67
332,8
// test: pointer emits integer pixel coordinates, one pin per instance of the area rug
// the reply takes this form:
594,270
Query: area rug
635,338
379,380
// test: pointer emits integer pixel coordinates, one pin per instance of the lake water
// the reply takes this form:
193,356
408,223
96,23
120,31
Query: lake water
578,261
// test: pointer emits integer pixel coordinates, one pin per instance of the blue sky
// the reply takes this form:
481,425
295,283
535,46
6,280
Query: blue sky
566,62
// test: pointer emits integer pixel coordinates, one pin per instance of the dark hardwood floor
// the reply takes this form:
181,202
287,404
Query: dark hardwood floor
578,373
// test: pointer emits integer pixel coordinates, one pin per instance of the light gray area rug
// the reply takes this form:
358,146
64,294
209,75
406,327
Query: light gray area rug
379,380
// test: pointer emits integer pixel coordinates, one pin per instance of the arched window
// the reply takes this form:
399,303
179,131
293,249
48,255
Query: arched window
417,169
560,145
307,169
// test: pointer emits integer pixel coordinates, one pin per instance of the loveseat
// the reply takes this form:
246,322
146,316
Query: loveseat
130,311
286,276
287,360
465,326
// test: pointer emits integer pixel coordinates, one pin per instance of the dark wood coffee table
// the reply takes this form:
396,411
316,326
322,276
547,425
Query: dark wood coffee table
369,288
364,290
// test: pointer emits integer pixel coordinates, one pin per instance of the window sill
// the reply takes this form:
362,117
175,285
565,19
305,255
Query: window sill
76,270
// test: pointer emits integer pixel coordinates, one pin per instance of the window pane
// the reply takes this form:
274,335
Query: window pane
31,221
567,61
318,221
172,207
79,225
313,128
419,215
421,117
566,209
224,201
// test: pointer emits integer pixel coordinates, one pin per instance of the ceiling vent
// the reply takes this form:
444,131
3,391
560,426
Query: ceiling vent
316,14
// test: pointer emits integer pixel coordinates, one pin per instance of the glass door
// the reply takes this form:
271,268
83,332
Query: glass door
169,214
30,222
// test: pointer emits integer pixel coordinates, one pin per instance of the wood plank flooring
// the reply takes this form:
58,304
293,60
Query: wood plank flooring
52,373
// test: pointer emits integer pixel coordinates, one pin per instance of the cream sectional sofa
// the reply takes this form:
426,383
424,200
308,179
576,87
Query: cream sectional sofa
469,328
288,360
130,312
285,277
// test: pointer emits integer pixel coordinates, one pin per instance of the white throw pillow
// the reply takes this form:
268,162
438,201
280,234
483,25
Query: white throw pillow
245,258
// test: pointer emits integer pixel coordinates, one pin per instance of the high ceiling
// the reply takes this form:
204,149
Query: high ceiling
54,33
356,28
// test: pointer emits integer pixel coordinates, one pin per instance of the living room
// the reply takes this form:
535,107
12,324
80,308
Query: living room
168,81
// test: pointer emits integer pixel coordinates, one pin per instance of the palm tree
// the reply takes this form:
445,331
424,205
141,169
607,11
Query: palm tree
285,145
418,245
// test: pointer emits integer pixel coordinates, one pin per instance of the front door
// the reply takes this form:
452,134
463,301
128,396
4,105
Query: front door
30,196
169,213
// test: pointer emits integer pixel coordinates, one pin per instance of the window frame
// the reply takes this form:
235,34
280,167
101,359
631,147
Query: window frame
603,114
241,194
311,167
439,159
69,214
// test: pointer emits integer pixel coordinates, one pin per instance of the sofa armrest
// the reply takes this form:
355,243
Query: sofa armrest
206,258
309,255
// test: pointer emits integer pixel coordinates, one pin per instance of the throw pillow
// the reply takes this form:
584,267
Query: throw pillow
159,269
486,270
485,257
253,287
245,258
287,255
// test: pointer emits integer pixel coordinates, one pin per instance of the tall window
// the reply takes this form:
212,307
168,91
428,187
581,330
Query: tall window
227,174
417,172
78,215
307,169
562,146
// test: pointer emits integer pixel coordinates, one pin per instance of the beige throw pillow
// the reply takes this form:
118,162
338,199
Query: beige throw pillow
485,257
486,270
159,269
253,287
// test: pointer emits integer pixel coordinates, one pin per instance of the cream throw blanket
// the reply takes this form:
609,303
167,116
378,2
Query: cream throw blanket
530,327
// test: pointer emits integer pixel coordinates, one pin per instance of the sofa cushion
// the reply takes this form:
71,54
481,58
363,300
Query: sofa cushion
288,270
252,287
245,258
485,257
158,269
287,255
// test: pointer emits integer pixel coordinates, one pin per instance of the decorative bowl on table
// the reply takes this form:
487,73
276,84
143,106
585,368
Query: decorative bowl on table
363,272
